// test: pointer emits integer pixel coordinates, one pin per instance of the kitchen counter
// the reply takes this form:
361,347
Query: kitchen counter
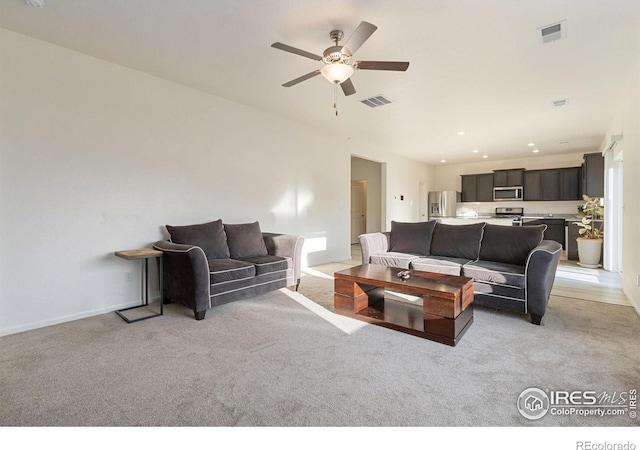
550,216
469,220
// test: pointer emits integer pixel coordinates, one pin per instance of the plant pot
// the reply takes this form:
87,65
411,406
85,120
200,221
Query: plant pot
589,251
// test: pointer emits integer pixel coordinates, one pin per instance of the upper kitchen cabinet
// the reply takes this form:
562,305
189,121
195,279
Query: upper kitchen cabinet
552,184
570,183
477,188
508,178
550,179
593,175
532,185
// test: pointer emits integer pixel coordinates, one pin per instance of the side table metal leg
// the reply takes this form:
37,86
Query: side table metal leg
144,293
160,277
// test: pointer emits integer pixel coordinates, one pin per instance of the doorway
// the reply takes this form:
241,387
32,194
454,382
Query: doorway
358,209
367,198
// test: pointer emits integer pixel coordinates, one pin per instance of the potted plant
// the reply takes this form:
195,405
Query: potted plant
591,232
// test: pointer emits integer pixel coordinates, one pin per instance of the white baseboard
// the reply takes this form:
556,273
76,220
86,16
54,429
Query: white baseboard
69,318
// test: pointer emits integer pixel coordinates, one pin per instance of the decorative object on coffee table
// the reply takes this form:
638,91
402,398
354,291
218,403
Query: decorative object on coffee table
142,254
404,275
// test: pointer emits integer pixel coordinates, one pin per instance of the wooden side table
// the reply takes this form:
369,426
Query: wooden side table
144,255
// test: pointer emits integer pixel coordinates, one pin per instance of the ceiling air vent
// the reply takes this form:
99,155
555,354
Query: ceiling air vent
378,100
553,32
562,102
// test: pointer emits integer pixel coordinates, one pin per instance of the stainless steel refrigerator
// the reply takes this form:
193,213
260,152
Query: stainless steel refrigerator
443,204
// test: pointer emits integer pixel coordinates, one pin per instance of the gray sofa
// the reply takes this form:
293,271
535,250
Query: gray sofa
512,268
207,265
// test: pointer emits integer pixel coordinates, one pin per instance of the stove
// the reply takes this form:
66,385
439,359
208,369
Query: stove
509,213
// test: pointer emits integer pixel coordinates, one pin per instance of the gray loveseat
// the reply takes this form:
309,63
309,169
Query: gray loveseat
207,265
512,268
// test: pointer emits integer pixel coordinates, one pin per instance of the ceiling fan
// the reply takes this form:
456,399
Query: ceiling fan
337,59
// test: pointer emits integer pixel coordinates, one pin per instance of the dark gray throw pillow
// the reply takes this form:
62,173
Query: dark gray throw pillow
510,245
457,241
208,236
411,237
245,240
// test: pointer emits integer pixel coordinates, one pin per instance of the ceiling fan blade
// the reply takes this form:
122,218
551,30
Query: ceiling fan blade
297,51
347,87
361,34
382,65
302,78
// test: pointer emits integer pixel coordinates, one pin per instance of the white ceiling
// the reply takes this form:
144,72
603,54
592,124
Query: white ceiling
476,65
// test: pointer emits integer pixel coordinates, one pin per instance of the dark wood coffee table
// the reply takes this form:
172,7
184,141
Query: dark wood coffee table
444,316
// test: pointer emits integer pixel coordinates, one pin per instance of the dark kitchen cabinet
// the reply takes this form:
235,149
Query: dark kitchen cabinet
532,185
570,183
469,188
555,230
485,187
593,175
508,177
552,184
477,188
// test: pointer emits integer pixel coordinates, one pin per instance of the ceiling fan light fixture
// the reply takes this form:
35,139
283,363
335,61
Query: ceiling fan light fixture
337,73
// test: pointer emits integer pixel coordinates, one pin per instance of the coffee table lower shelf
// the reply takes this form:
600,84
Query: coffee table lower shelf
410,319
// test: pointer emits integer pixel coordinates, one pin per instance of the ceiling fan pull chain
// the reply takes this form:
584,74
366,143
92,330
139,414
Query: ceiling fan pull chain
335,96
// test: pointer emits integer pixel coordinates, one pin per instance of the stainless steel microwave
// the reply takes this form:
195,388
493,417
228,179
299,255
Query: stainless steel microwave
503,194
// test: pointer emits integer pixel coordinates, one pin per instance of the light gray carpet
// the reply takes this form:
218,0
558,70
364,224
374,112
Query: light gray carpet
283,360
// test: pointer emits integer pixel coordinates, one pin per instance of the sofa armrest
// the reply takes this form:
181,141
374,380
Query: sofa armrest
286,245
540,273
373,244
185,275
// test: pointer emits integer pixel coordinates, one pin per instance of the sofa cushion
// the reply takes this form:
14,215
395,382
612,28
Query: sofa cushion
510,245
225,270
411,237
457,241
440,264
269,263
245,240
495,273
208,236
393,259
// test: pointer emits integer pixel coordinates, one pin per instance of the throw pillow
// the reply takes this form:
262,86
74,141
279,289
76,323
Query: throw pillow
411,237
245,240
208,236
457,241
510,245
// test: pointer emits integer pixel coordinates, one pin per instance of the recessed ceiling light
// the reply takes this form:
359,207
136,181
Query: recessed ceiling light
461,133
531,144
485,156
443,160
475,150
535,150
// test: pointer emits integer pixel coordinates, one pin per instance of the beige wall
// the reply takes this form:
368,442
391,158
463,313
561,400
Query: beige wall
95,157
627,123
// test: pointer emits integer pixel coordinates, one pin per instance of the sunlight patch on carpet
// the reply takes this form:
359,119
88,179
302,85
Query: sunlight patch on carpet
316,273
345,324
